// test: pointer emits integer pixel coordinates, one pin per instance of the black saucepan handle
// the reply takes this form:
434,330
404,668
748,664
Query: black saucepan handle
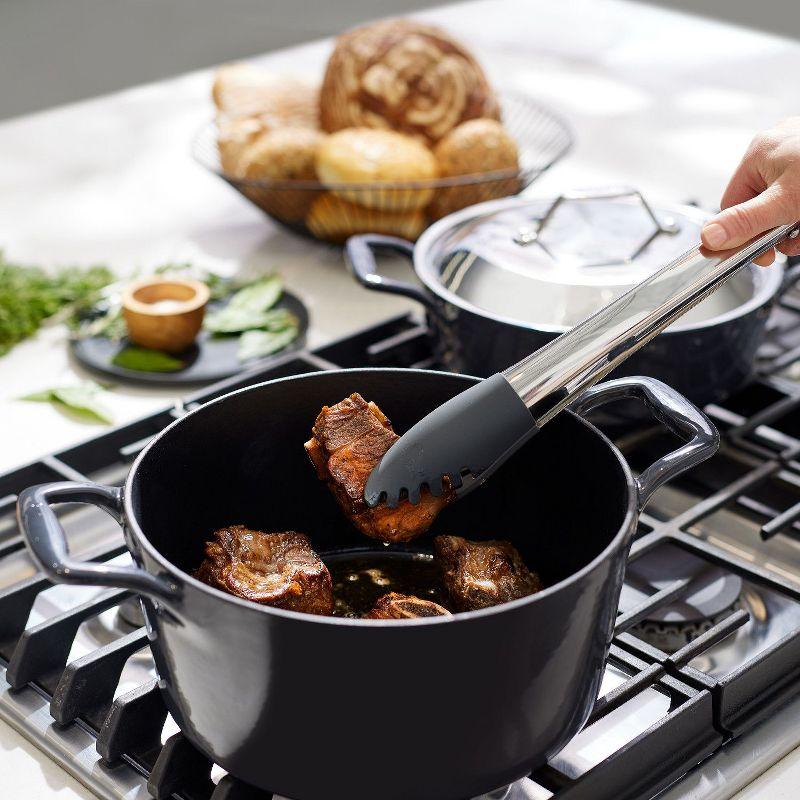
360,257
669,407
48,543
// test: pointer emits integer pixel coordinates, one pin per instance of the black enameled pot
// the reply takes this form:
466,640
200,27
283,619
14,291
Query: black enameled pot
324,708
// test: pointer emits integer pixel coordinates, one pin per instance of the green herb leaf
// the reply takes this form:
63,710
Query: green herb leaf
80,400
249,308
144,360
258,344
108,323
45,396
236,320
29,295
260,295
218,286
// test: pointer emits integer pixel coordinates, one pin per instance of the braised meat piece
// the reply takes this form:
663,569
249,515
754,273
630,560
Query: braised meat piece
405,606
275,569
348,440
483,574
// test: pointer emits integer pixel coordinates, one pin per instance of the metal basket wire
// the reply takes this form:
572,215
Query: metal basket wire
335,211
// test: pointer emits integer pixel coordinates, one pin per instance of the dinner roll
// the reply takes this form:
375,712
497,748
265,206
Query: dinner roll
335,219
479,145
365,156
233,138
402,75
474,147
284,154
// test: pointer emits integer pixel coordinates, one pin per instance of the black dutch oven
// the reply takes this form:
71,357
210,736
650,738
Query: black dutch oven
325,708
502,279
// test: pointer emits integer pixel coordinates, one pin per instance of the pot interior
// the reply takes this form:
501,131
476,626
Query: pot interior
240,460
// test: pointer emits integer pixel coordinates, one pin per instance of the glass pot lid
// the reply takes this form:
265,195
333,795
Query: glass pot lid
550,262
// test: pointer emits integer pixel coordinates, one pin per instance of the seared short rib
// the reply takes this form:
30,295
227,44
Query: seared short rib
405,606
483,574
348,440
275,569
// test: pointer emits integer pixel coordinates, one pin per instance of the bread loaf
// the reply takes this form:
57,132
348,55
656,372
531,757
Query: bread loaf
405,76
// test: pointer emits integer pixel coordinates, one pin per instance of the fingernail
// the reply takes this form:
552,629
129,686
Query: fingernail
714,235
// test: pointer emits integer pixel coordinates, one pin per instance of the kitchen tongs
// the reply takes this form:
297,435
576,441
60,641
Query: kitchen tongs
467,438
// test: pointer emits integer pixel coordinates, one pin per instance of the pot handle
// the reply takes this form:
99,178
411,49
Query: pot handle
47,541
683,418
360,258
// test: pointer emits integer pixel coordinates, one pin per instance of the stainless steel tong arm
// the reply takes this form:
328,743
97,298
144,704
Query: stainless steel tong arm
549,379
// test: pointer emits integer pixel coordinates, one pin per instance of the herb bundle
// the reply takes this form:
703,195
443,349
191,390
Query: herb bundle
29,295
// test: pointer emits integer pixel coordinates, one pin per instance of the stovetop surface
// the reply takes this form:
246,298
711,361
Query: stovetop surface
707,643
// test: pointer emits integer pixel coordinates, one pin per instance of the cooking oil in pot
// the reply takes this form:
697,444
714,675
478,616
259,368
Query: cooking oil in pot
361,578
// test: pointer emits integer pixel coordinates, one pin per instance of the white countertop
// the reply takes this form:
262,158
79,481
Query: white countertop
659,100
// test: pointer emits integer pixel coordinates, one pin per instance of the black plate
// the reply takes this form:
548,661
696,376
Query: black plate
210,358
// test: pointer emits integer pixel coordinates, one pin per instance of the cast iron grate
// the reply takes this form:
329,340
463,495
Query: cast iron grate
762,429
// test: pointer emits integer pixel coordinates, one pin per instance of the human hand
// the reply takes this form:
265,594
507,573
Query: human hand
763,193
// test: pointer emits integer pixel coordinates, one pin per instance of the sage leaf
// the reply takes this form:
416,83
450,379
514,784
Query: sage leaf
249,308
235,320
80,400
258,344
143,360
260,295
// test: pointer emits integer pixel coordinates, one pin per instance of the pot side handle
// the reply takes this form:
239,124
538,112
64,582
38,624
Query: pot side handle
671,408
360,259
47,541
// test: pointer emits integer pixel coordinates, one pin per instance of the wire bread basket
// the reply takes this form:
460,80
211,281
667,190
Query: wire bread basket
333,212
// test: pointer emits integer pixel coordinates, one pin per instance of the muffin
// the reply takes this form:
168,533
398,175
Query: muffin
404,76
284,154
474,147
335,219
366,156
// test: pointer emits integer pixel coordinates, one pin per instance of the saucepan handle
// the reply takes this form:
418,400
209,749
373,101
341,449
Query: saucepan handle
672,409
360,258
47,541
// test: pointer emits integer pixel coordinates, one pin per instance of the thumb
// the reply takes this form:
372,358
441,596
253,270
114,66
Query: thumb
738,224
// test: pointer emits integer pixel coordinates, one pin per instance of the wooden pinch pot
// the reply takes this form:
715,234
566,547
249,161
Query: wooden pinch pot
164,313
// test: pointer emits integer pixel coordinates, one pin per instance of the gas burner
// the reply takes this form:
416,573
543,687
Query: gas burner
671,636
713,595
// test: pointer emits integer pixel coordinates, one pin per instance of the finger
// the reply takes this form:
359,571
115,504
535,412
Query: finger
790,247
744,185
766,259
738,224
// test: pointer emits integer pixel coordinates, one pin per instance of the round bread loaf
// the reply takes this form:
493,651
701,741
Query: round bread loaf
335,219
405,76
284,154
243,90
368,156
474,147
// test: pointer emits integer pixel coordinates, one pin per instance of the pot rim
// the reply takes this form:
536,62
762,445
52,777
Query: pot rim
141,540
425,269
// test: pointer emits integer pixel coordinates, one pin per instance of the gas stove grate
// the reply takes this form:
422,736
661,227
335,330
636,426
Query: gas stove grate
113,741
